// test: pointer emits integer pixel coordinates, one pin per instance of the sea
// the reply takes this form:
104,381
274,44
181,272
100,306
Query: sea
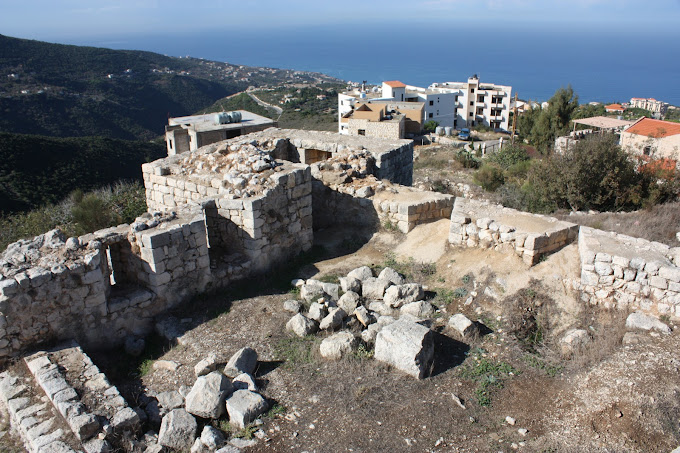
602,64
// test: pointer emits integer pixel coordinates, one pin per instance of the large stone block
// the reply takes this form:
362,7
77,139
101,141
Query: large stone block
407,346
206,398
245,406
178,430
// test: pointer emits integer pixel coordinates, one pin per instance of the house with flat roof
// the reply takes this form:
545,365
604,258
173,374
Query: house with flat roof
451,104
383,119
650,137
188,133
650,104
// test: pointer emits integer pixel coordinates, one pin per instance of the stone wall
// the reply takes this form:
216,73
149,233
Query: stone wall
119,278
480,224
389,129
627,273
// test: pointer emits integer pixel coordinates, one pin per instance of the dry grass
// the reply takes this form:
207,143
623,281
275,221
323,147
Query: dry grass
659,223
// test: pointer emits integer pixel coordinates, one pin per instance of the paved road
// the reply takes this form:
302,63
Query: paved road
278,110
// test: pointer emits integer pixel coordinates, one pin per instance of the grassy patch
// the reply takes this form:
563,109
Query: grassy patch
539,363
276,409
246,433
363,353
296,351
487,374
145,367
330,278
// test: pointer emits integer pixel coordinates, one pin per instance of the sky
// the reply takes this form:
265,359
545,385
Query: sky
76,20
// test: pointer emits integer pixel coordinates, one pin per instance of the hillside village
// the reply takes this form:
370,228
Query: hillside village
417,279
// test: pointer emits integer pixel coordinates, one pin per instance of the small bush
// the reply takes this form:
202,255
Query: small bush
467,159
490,177
510,155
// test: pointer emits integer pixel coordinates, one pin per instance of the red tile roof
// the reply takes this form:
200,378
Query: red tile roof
654,128
395,84
614,107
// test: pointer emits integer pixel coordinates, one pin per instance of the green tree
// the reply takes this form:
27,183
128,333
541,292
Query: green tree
594,174
430,126
509,156
554,120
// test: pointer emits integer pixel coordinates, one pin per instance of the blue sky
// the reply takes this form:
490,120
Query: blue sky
68,20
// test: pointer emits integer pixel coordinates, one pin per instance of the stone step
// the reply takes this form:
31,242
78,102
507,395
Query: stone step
81,393
36,421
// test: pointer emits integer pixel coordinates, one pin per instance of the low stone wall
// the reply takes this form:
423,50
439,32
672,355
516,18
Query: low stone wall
628,273
410,207
480,224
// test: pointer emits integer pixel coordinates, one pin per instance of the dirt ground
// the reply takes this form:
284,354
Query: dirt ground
606,397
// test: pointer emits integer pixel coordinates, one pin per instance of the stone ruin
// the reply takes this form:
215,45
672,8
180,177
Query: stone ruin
239,208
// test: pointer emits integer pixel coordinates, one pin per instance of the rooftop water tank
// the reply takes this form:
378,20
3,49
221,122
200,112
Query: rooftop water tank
235,117
448,130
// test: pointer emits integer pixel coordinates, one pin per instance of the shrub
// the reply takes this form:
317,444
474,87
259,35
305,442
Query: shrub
490,177
467,159
509,156
430,126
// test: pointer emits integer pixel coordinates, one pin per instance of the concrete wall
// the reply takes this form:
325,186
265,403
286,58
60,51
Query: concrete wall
668,147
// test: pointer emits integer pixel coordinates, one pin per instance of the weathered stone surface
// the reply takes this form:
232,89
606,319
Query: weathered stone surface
573,340
244,381
317,312
332,290
312,290
337,345
206,365
170,400
396,296
212,438
301,326
420,309
134,346
350,284
391,275
245,406
243,361
333,320
167,365
461,324
206,398
407,346
363,316
361,273
374,288
292,306
126,419
97,446
371,333
84,425
60,447
639,320
178,430
349,301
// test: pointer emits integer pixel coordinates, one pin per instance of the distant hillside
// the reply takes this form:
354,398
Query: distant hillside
36,170
63,90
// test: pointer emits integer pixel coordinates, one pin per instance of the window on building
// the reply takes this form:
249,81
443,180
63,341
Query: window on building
437,112
480,98
429,115
470,113
361,131
455,98
472,103
472,91
437,100
497,99
170,143
647,150
455,123
431,102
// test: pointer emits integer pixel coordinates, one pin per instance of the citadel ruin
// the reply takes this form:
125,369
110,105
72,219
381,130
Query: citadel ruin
241,207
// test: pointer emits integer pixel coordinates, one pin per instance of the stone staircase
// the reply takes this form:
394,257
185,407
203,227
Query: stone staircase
59,401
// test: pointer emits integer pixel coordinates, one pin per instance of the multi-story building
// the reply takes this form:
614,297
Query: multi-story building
650,104
451,104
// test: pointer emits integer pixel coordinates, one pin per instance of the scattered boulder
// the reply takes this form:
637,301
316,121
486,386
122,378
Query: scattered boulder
407,346
361,273
297,283
317,312
461,324
206,398
207,365
301,326
244,381
639,320
312,290
337,345
243,361
332,290
333,320
245,406
420,309
396,296
393,276
363,316
170,400
212,438
573,340
125,419
95,445
167,365
632,338
381,308
178,430
292,305
371,333
349,301
350,284
374,288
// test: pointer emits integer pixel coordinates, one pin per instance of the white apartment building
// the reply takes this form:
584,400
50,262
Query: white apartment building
650,104
451,104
